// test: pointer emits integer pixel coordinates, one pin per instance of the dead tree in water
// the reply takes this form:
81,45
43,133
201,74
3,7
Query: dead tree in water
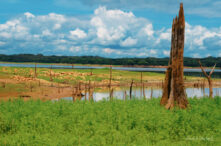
110,89
51,79
73,93
141,83
110,76
90,92
208,78
125,95
173,90
35,70
85,92
91,72
144,96
151,93
131,88
111,93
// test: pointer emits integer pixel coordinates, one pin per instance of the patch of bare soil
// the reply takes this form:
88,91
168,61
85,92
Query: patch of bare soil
45,90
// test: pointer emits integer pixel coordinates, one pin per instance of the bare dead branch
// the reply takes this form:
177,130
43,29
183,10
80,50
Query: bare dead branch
203,69
131,86
211,72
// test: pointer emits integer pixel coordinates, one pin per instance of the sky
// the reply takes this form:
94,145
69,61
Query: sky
108,28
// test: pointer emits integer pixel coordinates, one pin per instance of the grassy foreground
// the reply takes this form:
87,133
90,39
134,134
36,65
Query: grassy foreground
135,122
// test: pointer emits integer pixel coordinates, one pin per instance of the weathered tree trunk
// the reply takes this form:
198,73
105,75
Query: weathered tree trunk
141,84
110,76
51,79
125,95
131,88
210,87
144,96
151,93
208,78
111,94
91,72
173,90
35,70
85,91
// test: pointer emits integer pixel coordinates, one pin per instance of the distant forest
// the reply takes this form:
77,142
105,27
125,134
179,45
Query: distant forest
191,62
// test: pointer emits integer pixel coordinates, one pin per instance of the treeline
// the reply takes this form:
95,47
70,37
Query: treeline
191,62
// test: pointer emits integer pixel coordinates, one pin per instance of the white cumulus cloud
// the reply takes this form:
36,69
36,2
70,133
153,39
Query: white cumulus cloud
78,33
107,32
129,42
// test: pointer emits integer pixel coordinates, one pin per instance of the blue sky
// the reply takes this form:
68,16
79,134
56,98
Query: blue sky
108,28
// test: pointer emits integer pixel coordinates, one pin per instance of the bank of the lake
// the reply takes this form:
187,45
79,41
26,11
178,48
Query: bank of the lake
156,68
132,122
57,83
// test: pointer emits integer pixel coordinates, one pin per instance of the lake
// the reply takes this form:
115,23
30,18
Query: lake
138,94
187,71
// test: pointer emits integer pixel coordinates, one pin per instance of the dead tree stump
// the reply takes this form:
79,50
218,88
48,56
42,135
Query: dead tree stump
110,76
209,79
35,70
131,88
173,90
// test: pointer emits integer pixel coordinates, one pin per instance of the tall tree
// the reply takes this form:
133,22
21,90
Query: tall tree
173,90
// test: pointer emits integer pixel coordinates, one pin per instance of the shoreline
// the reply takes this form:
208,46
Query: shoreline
100,65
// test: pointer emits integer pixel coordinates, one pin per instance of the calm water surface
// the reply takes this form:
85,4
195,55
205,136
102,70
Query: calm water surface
99,67
138,94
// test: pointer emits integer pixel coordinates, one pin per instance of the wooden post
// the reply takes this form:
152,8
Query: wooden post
91,72
125,95
73,93
111,94
144,96
51,79
35,70
151,93
89,98
85,92
110,76
92,94
141,83
131,88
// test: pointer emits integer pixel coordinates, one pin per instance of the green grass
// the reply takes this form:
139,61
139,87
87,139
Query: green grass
98,74
135,122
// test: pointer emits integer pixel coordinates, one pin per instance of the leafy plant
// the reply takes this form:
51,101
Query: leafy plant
131,122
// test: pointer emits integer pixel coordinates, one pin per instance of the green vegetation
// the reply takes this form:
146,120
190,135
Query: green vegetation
135,122
191,62
74,75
